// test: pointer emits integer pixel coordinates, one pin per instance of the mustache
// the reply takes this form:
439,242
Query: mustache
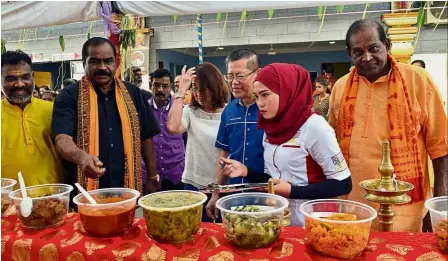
102,73
160,94
26,90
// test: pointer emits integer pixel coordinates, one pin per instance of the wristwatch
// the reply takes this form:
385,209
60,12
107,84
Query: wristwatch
179,95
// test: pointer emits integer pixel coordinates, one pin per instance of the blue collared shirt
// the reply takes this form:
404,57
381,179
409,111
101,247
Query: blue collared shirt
238,135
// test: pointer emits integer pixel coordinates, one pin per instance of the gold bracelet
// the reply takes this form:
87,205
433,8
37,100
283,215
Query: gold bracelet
156,177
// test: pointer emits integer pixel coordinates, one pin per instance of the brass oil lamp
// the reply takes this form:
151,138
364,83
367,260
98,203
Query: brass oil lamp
386,191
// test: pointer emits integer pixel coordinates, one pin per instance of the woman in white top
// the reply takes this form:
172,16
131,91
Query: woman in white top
201,120
301,150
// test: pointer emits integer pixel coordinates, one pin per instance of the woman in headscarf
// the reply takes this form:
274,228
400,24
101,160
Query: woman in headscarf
301,150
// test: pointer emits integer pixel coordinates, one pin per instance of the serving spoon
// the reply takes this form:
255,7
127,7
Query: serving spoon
86,195
26,206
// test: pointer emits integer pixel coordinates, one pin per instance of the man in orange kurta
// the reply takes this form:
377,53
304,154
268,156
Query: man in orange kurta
374,113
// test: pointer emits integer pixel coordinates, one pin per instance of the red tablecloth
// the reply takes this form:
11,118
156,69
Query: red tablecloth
70,242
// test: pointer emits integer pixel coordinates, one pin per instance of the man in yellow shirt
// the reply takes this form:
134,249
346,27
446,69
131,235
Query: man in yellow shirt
26,125
383,99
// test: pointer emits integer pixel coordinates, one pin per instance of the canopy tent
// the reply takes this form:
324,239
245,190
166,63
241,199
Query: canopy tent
23,15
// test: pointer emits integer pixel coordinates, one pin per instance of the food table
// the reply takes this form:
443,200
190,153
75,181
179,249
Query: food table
70,242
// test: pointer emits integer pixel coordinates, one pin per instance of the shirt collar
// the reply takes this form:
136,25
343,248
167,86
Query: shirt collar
167,106
240,102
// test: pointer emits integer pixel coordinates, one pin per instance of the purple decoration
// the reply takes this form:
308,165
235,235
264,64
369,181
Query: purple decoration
109,26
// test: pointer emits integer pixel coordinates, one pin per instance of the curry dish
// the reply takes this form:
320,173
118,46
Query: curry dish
107,221
337,240
441,231
172,217
45,212
6,202
252,231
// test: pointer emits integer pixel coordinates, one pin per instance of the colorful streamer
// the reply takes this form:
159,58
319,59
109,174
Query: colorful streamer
199,26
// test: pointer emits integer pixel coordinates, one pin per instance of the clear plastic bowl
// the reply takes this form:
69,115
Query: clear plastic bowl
438,209
7,187
337,237
252,229
50,205
177,223
112,215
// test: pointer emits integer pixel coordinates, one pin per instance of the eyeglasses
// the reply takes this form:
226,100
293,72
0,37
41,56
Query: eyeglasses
164,86
239,78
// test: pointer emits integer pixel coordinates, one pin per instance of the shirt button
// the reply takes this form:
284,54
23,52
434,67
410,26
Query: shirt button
248,129
111,145
107,99
161,157
110,129
161,135
245,159
247,143
248,114
163,168
160,146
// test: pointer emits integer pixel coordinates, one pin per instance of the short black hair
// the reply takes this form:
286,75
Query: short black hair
357,26
160,73
54,94
95,41
420,62
15,57
69,81
244,53
328,68
127,72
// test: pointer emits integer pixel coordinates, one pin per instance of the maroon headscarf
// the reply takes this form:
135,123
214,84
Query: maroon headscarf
292,83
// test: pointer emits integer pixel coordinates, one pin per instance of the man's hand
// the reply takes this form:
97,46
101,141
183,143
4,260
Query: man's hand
233,168
282,188
212,210
152,185
91,166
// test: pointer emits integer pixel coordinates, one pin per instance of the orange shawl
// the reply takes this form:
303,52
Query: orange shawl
88,131
403,136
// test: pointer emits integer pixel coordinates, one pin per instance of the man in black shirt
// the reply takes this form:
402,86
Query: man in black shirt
103,127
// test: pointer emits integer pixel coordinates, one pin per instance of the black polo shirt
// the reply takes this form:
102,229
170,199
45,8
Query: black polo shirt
111,154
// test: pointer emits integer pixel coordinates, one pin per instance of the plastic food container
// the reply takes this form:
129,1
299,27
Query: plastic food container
252,220
112,215
173,216
438,209
50,205
337,228
7,187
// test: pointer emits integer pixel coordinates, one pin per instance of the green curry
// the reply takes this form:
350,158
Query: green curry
252,231
167,223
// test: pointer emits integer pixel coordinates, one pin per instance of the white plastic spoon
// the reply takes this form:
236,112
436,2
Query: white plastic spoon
26,206
86,195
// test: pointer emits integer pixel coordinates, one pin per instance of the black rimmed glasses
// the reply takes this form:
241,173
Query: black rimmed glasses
239,78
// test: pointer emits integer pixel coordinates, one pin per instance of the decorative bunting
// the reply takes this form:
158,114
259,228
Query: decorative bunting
270,13
218,17
175,18
365,12
62,43
340,9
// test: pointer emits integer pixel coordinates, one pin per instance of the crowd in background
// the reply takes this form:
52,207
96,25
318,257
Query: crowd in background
314,138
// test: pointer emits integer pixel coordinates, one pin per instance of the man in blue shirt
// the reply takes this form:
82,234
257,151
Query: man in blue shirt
238,136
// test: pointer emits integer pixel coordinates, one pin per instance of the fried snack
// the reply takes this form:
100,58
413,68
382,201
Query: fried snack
6,202
337,240
251,231
46,212
441,231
